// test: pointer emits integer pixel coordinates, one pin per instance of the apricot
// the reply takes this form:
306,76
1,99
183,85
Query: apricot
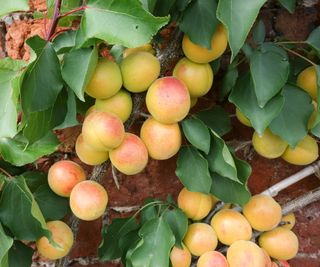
289,221
139,70
61,235
280,243
106,80
268,262
88,200
200,54
64,175
313,115
212,258
89,110
242,118
193,101
88,155
144,48
200,238
197,77
244,253
162,140
230,226
305,152
168,100
307,80
262,212
120,104
102,131
268,144
180,257
283,263
131,157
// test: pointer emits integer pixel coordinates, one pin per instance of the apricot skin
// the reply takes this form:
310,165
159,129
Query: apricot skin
307,80
200,54
197,77
180,257
106,80
230,226
242,118
212,258
162,140
168,100
289,220
62,236
146,48
88,200
139,70
64,175
120,104
131,157
280,243
88,155
200,238
262,212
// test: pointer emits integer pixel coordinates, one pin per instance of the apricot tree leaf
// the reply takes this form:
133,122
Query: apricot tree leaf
314,39
7,7
20,255
6,243
64,42
290,5
316,128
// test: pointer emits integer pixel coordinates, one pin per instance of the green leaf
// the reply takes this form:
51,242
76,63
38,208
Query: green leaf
127,243
192,170
149,5
6,243
157,241
200,30
27,221
243,96
297,65
259,32
216,118
18,153
163,7
42,82
197,134
228,81
64,42
178,223
83,62
20,255
291,123
7,7
149,211
34,179
117,51
314,39
238,17
135,26
290,5
269,71
316,128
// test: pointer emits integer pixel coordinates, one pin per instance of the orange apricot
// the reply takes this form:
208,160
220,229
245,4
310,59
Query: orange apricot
212,258
307,80
180,257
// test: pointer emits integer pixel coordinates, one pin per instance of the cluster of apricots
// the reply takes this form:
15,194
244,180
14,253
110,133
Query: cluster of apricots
232,230
272,146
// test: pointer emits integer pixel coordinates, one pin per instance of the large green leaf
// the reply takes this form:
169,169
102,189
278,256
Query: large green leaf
238,17
193,171
7,7
34,179
229,80
27,221
290,5
200,30
163,7
64,42
135,26
17,152
20,255
5,244
243,96
83,62
157,241
316,128
314,39
291,123
259,32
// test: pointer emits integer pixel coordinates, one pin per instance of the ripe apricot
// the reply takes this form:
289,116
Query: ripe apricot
244,253
139,70
268,144
307,80
283,263
88,200
230,226
262,212
106,80
280,243
120,104
102,131
88,155
289,221
144,48
180,257
200,54
197,77
162,140
168,100
212,258
131,157
305,152
200,238
268,262
61,235
64,175
193,101
242,118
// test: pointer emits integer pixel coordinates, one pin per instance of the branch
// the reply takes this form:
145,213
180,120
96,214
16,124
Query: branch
55,19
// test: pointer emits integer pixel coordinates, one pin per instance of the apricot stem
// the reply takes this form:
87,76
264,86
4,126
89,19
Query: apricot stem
114,176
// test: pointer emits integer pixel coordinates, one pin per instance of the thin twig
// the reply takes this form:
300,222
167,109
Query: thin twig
115,177
55,19
298,55
6,173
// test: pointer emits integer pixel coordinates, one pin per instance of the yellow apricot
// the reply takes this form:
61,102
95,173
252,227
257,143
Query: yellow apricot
280,243
305,152
195,205
61,235
89,110
262,212
307,80
162,140
268,144
193,101
267,258
200,54
289,221
242,118
143,48
212,258
106,80
180,257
